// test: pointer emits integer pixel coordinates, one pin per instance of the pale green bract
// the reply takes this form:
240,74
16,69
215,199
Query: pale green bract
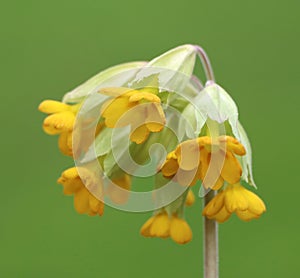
246,160
215,103
116,76
173,69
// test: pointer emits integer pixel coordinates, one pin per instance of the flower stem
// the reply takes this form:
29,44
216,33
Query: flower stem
206,63
210,243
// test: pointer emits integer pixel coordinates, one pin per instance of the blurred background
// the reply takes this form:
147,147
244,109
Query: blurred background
50,47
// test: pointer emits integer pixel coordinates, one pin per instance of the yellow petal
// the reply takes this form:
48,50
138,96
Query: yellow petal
235,198
65,143
160,226
52,106
180,231
231,171
214,206
81,201
219,183
155,119
144,96
188,155
170,167
70,181
246,215
222,216
204,162
190,198
59,122
204,141
211,172
94,203
256,205
140,134
233,145
145,230
114,110
70,173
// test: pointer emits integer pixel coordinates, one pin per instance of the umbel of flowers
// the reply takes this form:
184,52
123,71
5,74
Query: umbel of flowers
206,144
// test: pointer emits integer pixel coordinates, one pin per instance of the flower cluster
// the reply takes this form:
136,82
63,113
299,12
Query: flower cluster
110,124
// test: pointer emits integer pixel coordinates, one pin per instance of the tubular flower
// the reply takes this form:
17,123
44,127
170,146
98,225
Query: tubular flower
60,121
141,109
234,199
184,164
163,226
84,201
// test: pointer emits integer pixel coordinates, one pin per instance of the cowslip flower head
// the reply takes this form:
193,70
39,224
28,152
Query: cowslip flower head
234,199
155,119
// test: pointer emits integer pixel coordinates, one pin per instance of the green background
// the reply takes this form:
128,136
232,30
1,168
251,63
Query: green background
49,47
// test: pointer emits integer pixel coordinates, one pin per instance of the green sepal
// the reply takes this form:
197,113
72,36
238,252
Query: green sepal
246,160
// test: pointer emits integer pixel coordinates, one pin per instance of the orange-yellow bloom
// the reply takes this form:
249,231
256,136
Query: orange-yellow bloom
163,226
60,121
141,109
85,202
234,199
191,159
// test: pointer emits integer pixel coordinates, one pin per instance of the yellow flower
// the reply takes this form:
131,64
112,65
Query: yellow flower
163,226
180,231
61,121
146,115
234,199
84,201
188,167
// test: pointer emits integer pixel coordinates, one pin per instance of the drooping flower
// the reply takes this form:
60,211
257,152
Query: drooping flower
60,121
191,159
162,225
141,109
234,199
85,188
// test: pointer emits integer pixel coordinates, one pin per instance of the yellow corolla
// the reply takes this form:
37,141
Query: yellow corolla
85,202
141,109
60,121
163,226
234,199
190,162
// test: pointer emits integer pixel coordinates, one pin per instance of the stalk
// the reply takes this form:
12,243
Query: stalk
210,227
210,243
